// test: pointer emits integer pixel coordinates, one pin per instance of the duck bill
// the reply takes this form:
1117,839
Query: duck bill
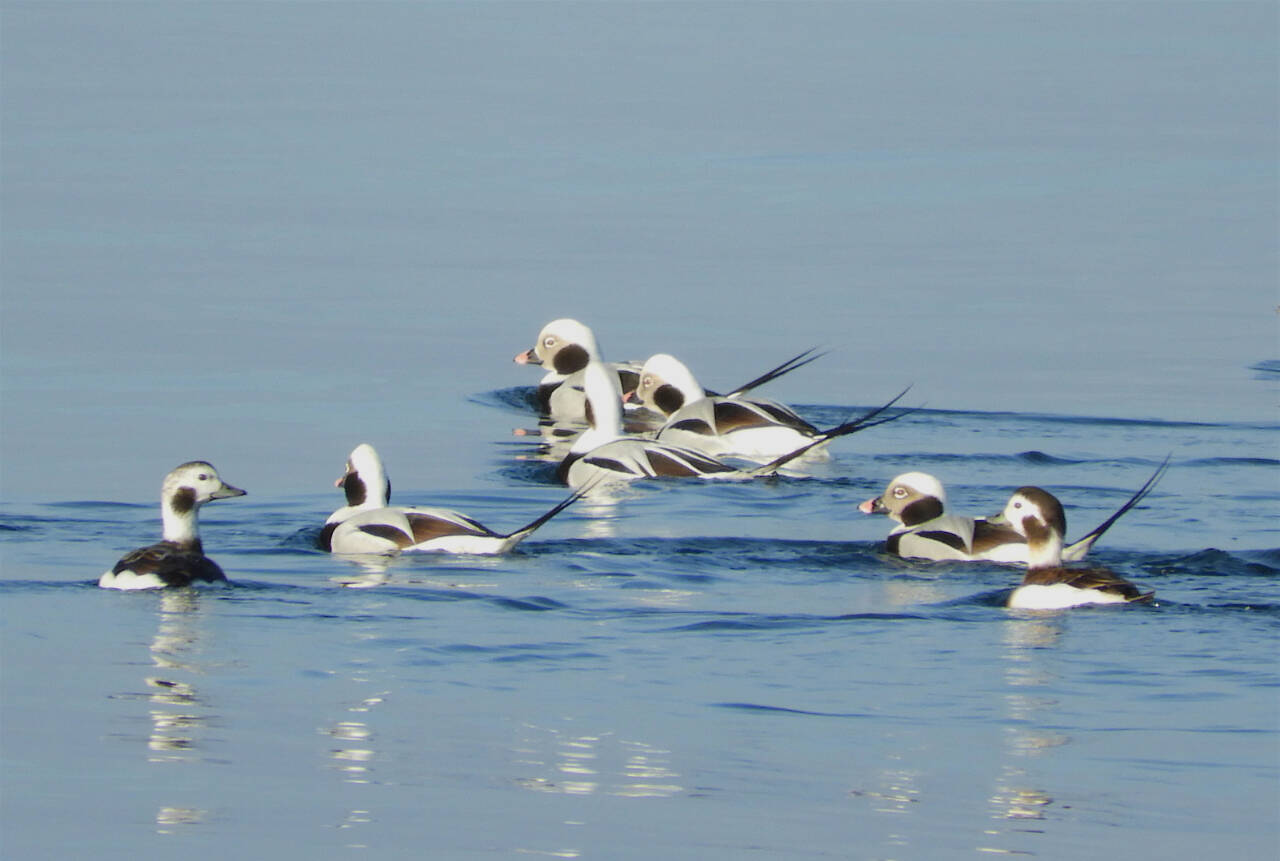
226,491
528,357
873,506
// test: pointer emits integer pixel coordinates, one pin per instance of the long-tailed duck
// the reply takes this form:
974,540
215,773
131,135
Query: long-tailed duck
918,502
564,348
1038,516
730,425
179,559
603,453
368,524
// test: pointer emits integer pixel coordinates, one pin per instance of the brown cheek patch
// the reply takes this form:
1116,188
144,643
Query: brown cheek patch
668,399
922,511
571,359
355,489
1035,529
184,500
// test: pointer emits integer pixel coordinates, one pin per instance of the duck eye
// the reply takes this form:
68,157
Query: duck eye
899,492
549,341
203,477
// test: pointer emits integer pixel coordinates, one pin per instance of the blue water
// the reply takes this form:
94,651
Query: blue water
259,234
687,670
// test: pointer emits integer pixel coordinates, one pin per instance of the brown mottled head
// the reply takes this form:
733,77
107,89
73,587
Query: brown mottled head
1036,513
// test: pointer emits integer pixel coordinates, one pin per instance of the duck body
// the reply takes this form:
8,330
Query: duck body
1049,585
956,538
368,524
564,348
603,454
177,560
633,459
1062,588
730,425
925,530
165,563
917,501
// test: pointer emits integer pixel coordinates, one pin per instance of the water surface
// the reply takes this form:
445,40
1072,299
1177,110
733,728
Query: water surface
259,234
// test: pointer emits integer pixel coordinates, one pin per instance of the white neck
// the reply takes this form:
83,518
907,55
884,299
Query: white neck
1045,552
179,527
604,397
375,488
593,438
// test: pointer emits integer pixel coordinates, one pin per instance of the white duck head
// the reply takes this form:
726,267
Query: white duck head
911,498
564,347
185,489
666,384
365,480
604,408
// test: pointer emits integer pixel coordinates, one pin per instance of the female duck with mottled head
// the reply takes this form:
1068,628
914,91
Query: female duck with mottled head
1038,516
926,530
177,560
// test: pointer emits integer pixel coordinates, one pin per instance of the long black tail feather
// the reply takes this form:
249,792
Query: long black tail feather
863,422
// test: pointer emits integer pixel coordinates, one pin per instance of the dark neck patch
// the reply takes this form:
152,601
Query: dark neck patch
1037,531
1049,507
325,539
354,487
544,396
922,511
668,398
571,359
184,501
562,471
